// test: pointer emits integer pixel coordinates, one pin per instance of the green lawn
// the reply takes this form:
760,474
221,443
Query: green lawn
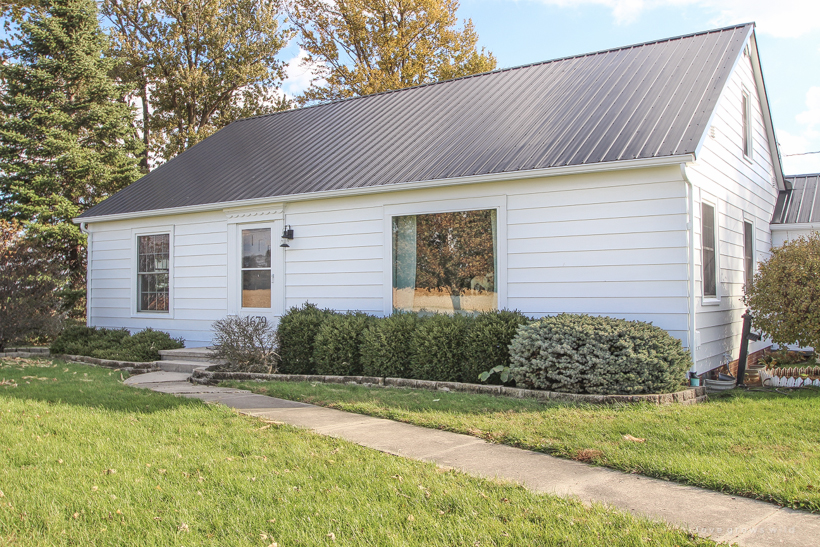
755,444
85,460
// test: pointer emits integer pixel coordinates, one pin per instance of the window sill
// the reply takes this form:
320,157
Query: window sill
710,301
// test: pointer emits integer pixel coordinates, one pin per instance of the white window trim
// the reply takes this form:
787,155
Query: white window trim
748,131
145,231
499,203
278,256
710,300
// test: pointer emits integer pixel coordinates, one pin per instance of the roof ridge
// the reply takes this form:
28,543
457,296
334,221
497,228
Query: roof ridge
501,70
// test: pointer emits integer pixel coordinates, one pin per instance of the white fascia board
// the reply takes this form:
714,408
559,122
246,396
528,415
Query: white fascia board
398,187
774,150
795,226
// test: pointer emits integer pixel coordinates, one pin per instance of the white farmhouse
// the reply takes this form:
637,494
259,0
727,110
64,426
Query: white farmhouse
637,182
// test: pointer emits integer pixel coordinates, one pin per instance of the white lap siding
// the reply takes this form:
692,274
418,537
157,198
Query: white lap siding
609,243
198,247
742,190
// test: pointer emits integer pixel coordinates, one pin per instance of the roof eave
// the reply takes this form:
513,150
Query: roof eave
346,192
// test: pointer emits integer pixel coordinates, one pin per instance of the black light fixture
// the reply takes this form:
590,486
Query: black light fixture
286,235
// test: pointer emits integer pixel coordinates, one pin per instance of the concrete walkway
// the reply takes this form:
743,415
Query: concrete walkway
721,517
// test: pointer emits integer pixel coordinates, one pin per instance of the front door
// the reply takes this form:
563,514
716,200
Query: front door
258,291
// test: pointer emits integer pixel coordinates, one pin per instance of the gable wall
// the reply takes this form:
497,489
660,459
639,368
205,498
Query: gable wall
739,187
610,243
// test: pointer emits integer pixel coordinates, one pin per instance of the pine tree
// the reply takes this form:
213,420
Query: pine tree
66,140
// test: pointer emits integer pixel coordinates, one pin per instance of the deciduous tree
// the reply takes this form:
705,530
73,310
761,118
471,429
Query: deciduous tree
358,47
785,294
194,66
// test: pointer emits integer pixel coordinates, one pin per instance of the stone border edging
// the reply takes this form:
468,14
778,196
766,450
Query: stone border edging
132,367
685,397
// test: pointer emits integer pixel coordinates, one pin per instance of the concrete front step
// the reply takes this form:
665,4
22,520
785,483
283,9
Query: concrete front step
181,366
202,355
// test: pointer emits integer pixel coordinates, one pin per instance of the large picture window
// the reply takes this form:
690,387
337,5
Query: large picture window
707,235
153,257
445,262
256,268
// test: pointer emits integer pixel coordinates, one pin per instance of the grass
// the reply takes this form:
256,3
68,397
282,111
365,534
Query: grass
756,444
85,460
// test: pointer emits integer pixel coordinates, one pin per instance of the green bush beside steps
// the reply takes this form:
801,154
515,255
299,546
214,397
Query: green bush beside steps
570,353
116,344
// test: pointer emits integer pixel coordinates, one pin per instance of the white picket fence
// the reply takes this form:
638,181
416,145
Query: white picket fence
790,377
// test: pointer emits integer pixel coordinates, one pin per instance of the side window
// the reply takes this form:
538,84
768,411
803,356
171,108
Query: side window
708,240
747,124
256,268
748,251
153,257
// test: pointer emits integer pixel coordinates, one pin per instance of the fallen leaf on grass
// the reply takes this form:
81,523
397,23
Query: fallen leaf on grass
2,495
332,536
411,518
634,439
108,471
183,527
587,455
76,516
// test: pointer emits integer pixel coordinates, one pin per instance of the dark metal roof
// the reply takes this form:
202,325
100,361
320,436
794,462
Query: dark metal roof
643,101
801,204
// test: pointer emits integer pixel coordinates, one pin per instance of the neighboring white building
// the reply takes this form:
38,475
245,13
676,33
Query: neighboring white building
798,209
637,183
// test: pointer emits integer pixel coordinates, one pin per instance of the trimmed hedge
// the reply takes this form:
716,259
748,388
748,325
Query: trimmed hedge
338,343
597,355
488,343
297,332
387,346
116,344
440,344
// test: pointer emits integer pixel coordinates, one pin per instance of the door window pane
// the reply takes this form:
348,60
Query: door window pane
445,262
256,268
153,254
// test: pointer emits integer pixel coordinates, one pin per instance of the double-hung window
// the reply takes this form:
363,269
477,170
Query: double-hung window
748,252
153,269
746,107
708,246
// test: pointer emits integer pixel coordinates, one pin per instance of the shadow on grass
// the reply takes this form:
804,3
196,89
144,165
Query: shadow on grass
80,385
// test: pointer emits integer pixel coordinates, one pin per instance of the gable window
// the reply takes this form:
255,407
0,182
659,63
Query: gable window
153,258
445,262
747,125
707,235
748,252
256,268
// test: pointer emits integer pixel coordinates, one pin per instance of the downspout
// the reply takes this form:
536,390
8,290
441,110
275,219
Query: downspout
690,206
84,229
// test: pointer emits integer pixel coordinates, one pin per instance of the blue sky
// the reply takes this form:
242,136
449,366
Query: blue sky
788,33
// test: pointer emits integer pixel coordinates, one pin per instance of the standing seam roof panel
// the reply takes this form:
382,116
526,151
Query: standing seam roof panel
589,108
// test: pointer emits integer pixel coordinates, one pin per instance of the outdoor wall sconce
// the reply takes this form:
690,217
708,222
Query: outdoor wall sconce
287,234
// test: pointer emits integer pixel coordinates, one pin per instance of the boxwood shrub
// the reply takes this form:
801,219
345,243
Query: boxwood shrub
387,346
115,344
440,343
297,332
338,342
598,355
488,342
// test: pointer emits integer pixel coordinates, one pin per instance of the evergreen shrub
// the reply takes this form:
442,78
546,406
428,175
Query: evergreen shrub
297,333
338,342
488,343
387,346
598,355
116,344
439,344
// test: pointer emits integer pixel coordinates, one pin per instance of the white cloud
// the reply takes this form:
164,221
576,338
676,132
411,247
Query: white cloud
790,18
793,148
298,75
